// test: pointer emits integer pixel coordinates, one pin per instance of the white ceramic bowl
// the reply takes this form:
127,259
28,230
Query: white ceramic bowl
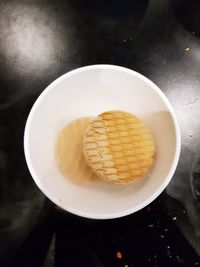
89,91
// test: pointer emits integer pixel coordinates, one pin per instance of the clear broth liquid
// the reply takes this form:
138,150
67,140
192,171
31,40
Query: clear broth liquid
69,152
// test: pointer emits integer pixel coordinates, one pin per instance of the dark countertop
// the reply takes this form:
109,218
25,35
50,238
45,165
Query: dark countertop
41,40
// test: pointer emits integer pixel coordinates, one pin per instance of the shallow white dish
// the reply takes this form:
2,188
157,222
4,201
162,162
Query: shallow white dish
89,91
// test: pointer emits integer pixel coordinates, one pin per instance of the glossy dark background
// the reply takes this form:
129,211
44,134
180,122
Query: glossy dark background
41,40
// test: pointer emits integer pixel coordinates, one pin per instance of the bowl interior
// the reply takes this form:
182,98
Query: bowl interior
87,92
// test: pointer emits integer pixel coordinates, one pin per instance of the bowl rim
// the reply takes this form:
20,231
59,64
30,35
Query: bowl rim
115,214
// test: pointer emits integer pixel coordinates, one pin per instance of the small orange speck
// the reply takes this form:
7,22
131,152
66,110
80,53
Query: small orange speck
148,209
187,49
119,255
126,265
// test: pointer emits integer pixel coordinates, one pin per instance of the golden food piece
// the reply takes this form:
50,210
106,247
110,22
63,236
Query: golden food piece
118,147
